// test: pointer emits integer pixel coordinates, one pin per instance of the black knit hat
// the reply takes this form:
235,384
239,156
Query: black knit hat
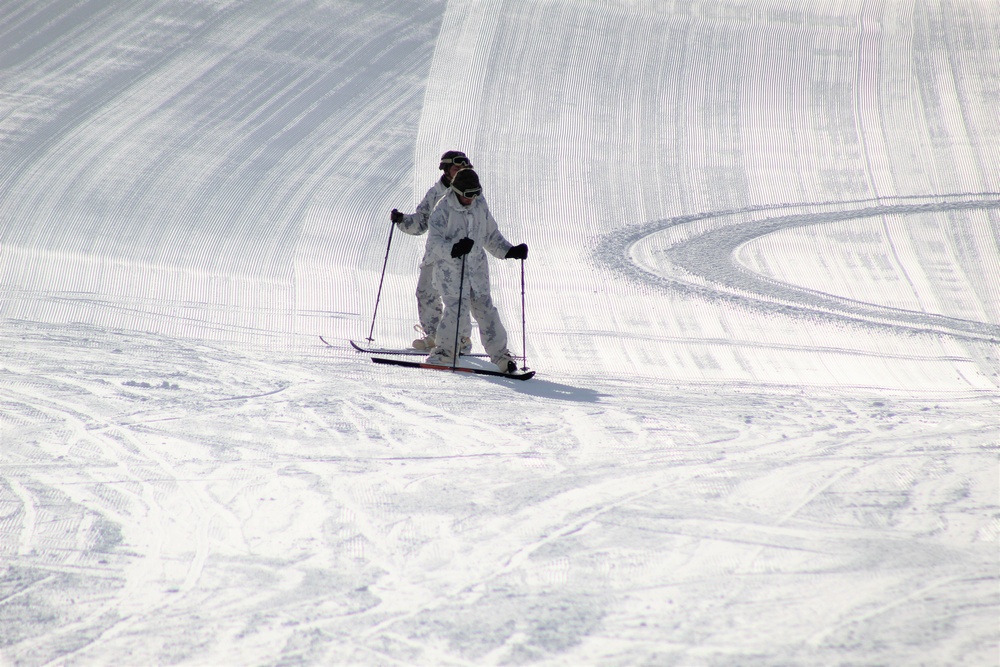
454,157
466,183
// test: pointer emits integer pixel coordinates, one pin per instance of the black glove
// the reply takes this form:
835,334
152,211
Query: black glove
517,252
462,247
396,216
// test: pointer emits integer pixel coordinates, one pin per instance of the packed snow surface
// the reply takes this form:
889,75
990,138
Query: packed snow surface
762,300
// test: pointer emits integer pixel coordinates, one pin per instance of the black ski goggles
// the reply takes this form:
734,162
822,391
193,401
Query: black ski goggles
471,193
460,160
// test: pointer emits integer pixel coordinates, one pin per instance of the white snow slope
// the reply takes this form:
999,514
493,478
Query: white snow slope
762,299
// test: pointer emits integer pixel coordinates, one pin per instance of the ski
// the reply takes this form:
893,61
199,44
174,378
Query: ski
409,351
521,375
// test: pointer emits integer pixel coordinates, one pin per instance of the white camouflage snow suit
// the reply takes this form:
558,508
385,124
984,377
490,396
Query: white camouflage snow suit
450,222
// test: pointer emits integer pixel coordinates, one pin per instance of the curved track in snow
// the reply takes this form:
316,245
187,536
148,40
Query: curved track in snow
703,258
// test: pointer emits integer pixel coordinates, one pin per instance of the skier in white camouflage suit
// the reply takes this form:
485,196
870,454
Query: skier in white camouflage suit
461,228
429,306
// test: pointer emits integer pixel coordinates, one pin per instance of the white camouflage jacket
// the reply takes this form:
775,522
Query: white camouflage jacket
415,223
451,221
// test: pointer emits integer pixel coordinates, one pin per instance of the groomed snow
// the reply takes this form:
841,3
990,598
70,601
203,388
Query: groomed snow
762,300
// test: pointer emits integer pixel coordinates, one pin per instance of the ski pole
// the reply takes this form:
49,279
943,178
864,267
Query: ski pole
458,320
379,295
524,335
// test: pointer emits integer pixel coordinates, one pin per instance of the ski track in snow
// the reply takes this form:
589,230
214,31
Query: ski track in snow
761,433
705,261
359,526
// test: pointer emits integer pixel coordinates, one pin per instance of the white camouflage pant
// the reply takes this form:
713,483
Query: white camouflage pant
430,305
475,299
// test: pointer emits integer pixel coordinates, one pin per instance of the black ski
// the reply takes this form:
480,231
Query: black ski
520,375
408,351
